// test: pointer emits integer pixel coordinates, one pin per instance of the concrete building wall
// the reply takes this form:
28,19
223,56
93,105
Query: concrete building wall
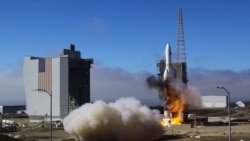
60,86
38,102
56,87
30,75
63,76
64,87
214,101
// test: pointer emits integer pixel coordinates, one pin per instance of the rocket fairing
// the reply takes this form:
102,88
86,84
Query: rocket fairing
168,73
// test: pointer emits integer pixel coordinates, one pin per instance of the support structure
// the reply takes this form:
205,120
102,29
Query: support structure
181,53
181,65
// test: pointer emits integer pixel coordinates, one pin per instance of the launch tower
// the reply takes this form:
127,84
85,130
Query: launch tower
179,67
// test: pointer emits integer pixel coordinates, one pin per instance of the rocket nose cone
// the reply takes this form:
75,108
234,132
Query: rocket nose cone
167,46
167,49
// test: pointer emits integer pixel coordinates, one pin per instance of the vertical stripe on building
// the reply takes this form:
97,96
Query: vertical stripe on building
45,78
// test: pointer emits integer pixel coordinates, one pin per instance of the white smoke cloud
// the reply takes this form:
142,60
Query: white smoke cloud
192,96
123,120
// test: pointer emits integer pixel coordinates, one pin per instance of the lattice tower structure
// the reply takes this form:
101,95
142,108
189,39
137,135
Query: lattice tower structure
181,53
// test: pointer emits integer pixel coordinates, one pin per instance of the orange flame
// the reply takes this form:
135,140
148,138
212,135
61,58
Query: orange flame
176,105
177,110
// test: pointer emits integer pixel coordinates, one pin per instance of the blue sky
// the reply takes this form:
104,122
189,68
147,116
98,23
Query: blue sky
128,36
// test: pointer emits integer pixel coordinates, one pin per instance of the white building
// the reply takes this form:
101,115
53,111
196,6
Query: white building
214,101
66,78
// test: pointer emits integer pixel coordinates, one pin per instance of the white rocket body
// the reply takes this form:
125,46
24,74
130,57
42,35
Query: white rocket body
168,75
168,72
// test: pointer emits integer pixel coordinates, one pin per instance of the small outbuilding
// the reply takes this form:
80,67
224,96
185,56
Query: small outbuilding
214,101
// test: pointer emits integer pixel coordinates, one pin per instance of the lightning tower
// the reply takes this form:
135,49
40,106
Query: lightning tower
181,53
181,66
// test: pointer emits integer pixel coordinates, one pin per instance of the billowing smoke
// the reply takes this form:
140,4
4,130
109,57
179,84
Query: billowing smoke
176,90
192,96
153,82
124,120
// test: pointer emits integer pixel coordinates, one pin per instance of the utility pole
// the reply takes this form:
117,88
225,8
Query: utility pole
50,94
228,108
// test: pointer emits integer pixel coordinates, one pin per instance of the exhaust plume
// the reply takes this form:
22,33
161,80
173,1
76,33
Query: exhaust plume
153,82
189,95
175,97
126,119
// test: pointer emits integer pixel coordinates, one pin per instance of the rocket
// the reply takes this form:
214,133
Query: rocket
168,72
167,76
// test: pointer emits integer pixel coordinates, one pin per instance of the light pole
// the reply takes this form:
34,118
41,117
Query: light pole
50,94
228,108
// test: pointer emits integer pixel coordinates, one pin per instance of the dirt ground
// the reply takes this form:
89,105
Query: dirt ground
182,132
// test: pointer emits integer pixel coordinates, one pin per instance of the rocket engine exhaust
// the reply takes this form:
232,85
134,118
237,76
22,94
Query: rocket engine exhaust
173,94
124,120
